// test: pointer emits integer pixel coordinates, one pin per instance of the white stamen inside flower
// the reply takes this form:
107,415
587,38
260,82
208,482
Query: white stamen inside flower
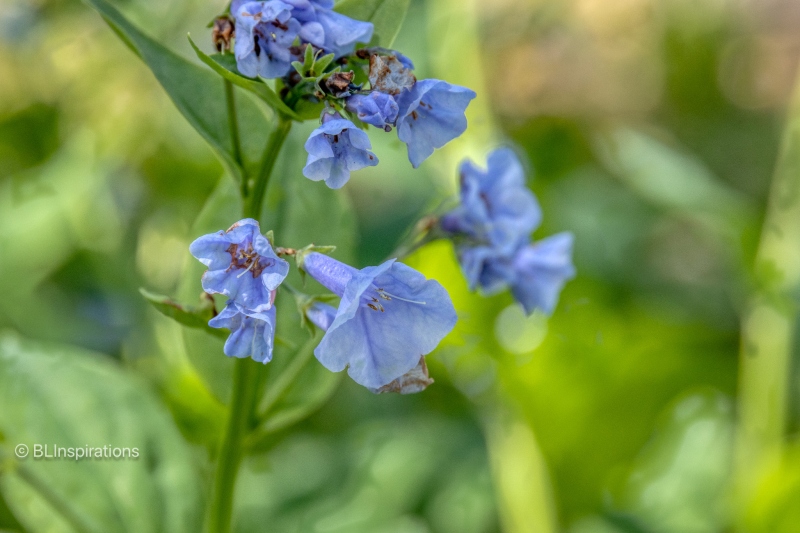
248,269
389,296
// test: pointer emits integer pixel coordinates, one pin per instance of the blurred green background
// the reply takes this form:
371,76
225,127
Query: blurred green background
652,129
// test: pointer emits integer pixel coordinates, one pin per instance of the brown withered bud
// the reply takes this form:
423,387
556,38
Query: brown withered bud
415,380
338,84
388,75
222,33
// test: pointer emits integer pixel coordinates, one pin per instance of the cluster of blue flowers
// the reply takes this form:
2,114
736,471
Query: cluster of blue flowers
266,33
427,114
389,317
243,266
492,229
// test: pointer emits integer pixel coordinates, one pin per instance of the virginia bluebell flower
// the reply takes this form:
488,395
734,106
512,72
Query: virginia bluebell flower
389,316
335,149
264,33
241,265
252,334
492,227
497,208
321,315
375,108
431,115
268,30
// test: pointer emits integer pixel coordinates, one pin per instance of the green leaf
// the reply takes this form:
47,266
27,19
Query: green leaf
190,316
197,93
386,15
225,66
68,397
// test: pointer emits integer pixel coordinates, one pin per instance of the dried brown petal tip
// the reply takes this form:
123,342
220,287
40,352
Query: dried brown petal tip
413,381
222,33
388,75
338,84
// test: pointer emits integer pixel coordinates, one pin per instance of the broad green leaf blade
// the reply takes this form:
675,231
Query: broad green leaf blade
225,66
68,397
190,316
197,93
386,15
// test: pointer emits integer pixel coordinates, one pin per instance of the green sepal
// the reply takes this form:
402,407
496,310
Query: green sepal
190,316
322,63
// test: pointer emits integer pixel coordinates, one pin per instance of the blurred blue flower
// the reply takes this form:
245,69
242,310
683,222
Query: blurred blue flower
335,149
431,115
540,271
252,334
241,265
492,229
375,108
497,208
264,33
535,273
389,316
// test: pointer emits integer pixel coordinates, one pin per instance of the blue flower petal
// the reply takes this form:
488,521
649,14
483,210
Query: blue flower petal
265,31
241,265
431,115
496,207
342,33
335,149
389,316
376,108
541,270
252,334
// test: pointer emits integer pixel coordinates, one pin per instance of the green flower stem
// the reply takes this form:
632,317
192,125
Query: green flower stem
253,202
246,377
287,377
769,322
240,422
233,126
